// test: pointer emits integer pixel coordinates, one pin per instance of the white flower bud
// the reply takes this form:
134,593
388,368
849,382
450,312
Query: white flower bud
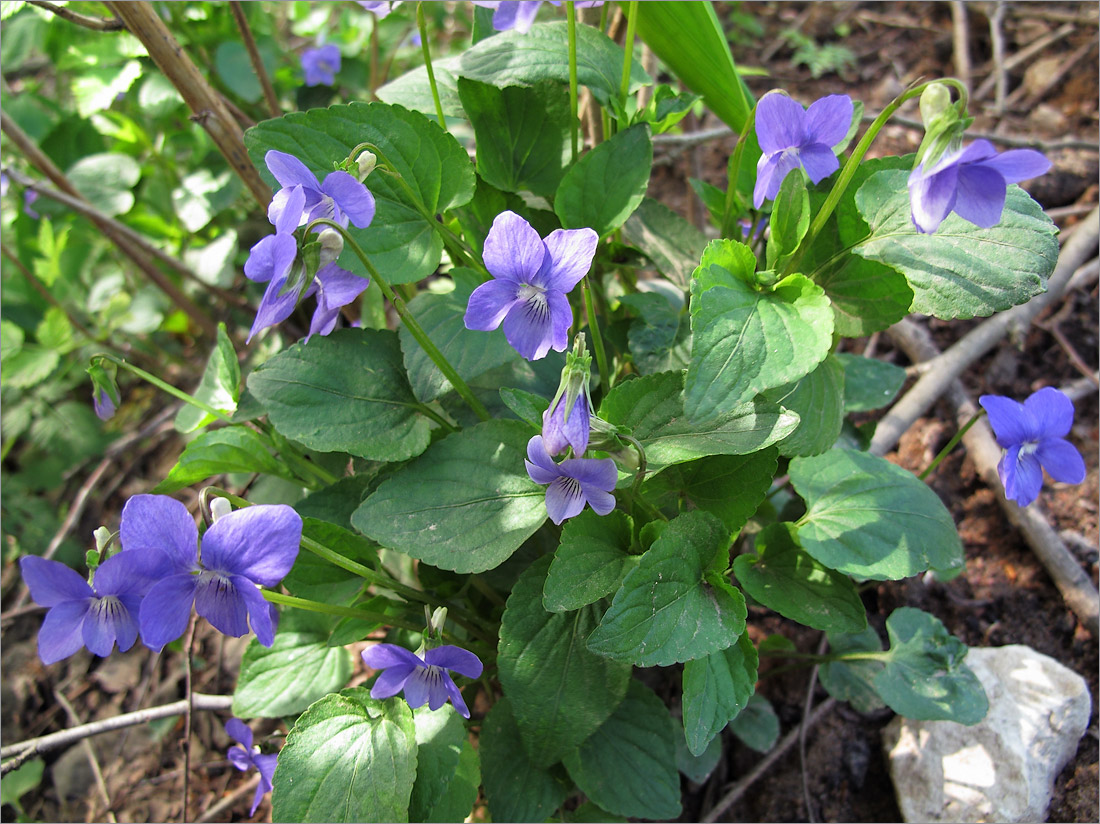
367,161
220,507
332,244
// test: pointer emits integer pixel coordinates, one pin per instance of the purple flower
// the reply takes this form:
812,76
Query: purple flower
89,616
561,429
572,483
1032,434
531,278
971,183
250,547
244,757
380,7
29,197
4,183
791,136
520,14
320,65
424,679
341,197
103,404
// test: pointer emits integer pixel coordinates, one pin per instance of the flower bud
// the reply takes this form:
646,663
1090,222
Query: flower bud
366,162
332,244
934,101
220,507
102,537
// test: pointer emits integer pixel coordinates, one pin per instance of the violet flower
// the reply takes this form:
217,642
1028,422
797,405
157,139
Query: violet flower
244,756
103,403
567,421
531,278
520,14
971,183
29,197
572,483
341,197
1032,434
380,8
791,136
425,679
96,616
241,551
320,65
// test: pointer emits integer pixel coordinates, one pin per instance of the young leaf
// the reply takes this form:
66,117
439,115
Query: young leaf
869,518
716,689
516,789
591,562
522,134
348,758
790,219
347,392
220,386
653,409
298,669
783,577
465,505
628,765
674,605
962,270
402,240
747,340
560,691
231,449
606,185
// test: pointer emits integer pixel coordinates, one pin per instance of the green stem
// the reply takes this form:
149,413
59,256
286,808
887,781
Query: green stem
164,387
597,338
347,612
571,22
420,24
415,329
628,51
427,411
951,444
852,166
374,308
295,459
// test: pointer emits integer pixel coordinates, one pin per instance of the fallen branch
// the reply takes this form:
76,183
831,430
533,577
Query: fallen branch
36,746
1076,588
230,800
948,366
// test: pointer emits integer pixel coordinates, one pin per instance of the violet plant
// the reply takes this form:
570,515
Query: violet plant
573,524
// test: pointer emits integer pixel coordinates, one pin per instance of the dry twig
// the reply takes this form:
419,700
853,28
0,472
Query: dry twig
85,20
257,61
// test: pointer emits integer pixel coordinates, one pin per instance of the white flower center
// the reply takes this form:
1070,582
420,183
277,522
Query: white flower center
535,303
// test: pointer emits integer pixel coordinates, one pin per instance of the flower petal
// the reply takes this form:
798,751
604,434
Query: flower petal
489,303
598,472
166,610
456,698
275,306
287,209
157,523
131,573
265,763
336,288
571,253
932,196
601,502
513,249
1019,164
540,466
259,610
219,600
1051,411
241,733
558,433
1012,423
51,582
1021,475
99,629
290,171
61,634
271,258
819,161
828,120
258,542
771,170
237,755
981,195
391,681
780,123
418,688
1061,460
353,198
381,656
564,499
529,326
561,318
455,658
127,628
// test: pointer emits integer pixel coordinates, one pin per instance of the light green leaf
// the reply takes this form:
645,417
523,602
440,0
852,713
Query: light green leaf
516,789
869,518
790,219
298,669
591,561
716,688
783,577
962,270
96,87
653,408
465,505
346,392
29,366
818,398
869,383
231,449
606,185
522,134
515,58
55,331
675,605
220,386
21,781
413,91
746,341
628,765
348,758
561,692
107,180
402,241
671,242
460,793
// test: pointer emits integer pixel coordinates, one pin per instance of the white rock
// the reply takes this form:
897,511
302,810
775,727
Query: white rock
1002,769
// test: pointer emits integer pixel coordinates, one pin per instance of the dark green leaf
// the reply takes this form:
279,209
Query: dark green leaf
660,340
757,726
783,577
818,398
869,383
527,406
674,606
346,392
560,691
671,242
348,758
716,689
460,793
440,735
413,91
853,680
591,562
696,767
318,579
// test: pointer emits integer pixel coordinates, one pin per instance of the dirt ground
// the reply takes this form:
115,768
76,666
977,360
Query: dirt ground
1003,597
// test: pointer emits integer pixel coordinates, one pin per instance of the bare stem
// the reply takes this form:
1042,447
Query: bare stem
257,61
85,20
